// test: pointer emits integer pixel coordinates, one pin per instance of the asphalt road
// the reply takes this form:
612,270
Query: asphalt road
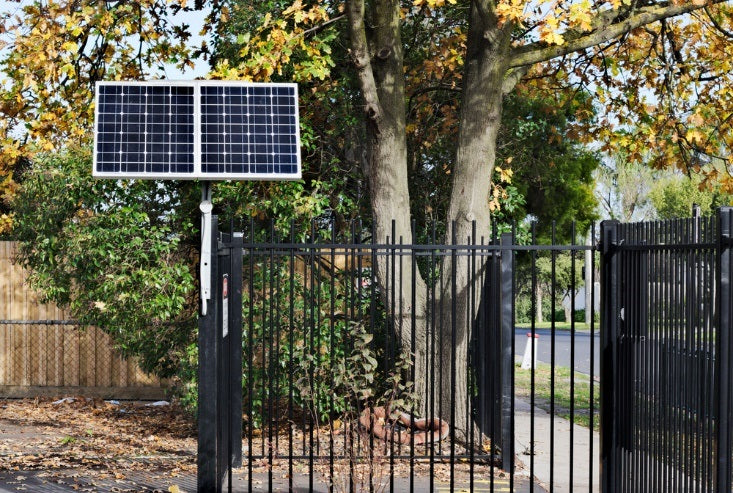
563,345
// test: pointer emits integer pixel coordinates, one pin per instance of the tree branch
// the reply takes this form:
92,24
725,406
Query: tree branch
512,77
322,26
362,59
607,26
717,25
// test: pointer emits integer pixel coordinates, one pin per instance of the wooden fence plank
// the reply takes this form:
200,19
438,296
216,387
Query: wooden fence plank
44,358
5,347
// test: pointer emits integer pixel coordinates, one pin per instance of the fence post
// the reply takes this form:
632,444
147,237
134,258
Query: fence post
208,399
609,332
724,302
220,285
235,347
507,354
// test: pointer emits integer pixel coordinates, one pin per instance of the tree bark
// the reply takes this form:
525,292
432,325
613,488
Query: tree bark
468,212
377,55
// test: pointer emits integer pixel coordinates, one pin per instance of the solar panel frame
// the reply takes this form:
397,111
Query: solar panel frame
280,161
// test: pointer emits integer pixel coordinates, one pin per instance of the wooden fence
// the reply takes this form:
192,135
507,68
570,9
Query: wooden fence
43,353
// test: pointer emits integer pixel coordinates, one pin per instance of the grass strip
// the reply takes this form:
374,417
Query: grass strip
543,392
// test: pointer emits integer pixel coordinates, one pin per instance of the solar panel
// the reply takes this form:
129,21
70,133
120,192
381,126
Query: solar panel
211,130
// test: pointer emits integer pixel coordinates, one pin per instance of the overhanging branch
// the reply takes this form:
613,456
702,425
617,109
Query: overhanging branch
717,24
608,26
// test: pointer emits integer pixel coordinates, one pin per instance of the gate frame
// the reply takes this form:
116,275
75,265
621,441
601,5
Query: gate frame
220,388
609,335
724,348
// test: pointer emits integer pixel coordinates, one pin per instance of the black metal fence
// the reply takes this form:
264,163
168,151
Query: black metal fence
344,361
666,376
373,366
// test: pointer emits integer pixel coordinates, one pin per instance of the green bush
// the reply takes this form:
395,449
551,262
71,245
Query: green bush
112,252
580,315
297,333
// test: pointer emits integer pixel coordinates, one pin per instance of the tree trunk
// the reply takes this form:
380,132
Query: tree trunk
468,212
377,55
538,305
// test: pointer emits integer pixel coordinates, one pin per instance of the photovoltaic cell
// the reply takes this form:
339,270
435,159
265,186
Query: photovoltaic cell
200,129
145,129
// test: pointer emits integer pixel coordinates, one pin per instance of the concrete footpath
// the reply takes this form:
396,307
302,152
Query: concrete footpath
580,463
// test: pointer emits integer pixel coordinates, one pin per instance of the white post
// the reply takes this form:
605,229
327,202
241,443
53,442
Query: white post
527,360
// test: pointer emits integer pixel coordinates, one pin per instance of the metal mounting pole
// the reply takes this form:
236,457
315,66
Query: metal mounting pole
204,264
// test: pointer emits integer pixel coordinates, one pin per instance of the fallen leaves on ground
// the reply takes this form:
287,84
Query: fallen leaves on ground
80,441
91,434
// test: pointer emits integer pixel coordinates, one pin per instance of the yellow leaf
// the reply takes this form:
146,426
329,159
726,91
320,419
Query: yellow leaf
174,489
70,46
696,119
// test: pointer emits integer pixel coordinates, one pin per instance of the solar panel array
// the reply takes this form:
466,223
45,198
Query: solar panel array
201,129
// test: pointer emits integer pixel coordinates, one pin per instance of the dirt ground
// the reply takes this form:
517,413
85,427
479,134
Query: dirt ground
84,444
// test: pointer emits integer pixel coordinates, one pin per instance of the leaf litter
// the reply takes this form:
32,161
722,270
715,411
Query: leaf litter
97,440
87,439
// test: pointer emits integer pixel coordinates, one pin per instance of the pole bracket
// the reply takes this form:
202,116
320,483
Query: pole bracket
205,261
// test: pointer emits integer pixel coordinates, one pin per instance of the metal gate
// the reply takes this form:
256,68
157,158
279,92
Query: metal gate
666,342
312,310
308,307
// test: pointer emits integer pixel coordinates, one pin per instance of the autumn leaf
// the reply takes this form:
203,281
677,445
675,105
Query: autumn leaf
56,50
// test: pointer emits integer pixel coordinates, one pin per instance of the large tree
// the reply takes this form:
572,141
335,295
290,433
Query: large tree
659,67
504,42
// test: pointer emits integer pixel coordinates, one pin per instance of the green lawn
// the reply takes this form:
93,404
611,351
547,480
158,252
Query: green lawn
579,326
543,392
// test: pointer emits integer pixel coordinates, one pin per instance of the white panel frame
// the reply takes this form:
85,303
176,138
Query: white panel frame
197,173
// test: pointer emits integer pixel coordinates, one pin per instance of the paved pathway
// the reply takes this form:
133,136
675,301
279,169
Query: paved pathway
580,461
